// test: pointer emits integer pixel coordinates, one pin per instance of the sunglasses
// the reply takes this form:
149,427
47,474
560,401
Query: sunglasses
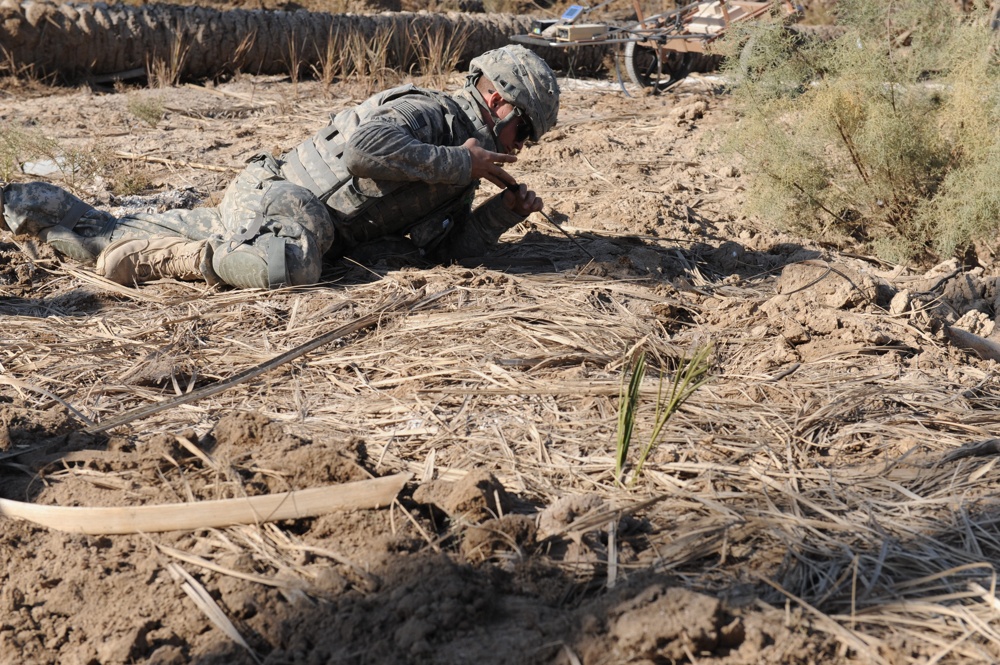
524,129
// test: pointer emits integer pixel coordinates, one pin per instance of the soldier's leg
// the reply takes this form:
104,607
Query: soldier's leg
173,244
267,232
81,231
58,218
276,231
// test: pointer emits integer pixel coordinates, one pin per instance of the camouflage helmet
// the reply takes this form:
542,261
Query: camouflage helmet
525,80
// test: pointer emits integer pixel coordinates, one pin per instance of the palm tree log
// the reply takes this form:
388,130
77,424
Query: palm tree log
73,42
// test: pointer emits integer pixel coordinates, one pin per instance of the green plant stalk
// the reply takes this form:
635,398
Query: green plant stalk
628,404
684,384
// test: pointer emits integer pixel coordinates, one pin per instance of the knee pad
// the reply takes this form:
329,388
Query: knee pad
257,266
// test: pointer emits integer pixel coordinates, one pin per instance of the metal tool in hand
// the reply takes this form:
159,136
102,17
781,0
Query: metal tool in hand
515,189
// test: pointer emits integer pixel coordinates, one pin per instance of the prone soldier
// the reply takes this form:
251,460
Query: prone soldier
401,167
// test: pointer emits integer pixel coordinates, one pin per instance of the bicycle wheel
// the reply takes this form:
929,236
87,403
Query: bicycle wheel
646,69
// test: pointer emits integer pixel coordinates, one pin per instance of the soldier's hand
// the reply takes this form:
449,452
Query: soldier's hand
484,164
521,200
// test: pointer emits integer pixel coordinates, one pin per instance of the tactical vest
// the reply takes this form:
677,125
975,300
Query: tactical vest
364,209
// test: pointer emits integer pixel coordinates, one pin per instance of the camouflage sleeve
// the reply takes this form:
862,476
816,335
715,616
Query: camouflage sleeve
408,139
479,232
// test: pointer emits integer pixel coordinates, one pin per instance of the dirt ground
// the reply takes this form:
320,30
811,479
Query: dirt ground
821,499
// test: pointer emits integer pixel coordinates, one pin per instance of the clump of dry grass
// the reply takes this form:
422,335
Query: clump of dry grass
330,58
366,59
11,69
166,69
432,50
439,50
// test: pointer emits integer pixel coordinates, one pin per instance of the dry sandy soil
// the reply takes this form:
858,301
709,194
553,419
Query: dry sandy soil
828,495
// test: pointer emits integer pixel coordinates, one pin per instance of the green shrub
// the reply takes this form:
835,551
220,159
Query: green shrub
887,135
147,108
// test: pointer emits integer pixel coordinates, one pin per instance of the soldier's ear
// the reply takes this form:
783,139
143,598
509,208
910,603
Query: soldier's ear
494,100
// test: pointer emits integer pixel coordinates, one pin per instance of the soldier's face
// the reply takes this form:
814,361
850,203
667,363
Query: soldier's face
514,134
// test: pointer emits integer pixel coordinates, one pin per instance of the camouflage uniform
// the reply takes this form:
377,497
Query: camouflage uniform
276,207
393,166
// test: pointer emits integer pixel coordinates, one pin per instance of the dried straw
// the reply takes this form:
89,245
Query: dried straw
822,481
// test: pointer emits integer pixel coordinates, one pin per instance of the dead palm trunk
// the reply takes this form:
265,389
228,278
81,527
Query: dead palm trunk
72,42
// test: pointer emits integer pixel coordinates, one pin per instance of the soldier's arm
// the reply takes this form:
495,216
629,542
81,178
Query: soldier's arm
408,140
479,233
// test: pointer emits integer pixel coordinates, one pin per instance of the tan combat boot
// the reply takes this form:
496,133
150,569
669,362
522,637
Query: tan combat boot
136,260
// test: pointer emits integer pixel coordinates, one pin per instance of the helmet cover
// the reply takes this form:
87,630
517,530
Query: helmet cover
523,79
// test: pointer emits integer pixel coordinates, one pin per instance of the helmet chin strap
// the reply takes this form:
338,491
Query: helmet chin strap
498,123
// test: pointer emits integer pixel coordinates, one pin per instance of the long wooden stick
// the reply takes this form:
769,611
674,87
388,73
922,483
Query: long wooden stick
376,493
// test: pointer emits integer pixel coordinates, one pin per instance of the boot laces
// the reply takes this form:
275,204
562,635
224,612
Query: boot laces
165,263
